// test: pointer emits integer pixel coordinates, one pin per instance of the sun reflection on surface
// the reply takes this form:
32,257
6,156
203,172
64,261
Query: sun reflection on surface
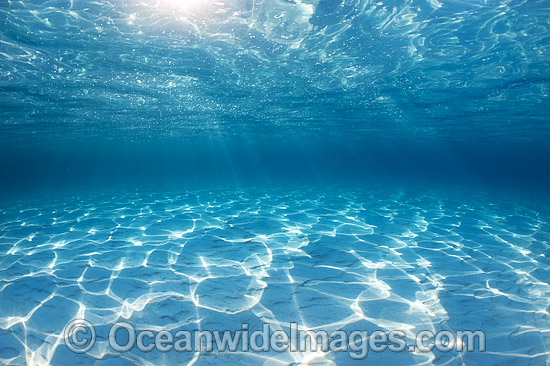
185,5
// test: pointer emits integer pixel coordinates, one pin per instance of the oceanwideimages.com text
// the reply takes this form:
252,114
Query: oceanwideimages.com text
80,337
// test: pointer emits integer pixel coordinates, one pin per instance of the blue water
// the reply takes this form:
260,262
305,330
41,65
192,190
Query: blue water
343,165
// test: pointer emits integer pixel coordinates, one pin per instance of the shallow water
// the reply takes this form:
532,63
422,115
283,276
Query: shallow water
328,258
414,70
353,165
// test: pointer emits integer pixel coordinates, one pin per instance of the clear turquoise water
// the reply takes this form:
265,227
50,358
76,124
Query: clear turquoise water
327,258
354,165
